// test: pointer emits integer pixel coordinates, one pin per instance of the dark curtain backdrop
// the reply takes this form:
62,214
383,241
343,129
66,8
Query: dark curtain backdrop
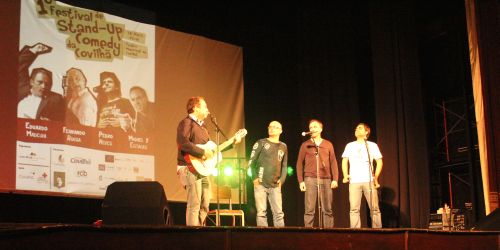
334,83
344,64
399,112
359,63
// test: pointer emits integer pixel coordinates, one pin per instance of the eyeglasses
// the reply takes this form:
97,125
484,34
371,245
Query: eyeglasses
276,127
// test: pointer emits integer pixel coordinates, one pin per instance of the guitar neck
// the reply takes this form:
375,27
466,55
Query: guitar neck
226,144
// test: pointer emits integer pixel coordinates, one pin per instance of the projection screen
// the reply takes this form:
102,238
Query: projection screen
97,98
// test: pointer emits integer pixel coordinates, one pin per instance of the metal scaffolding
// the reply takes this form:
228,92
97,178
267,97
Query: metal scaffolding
454,155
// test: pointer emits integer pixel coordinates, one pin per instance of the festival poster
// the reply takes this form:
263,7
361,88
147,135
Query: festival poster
86,96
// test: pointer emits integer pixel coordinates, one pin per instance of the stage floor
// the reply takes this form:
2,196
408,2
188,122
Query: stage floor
64,236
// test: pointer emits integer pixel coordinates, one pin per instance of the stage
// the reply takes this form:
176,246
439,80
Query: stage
71,236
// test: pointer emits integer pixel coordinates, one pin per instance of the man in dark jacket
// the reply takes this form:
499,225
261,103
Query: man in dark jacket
36,99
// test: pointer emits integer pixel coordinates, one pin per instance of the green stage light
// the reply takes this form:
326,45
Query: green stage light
249,172
289,170
214,171
228,171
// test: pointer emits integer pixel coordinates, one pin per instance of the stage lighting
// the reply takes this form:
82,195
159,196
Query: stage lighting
228,171
215,171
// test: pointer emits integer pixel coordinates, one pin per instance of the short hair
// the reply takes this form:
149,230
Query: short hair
281,126
140,89
35,71
367,129
78,73
315,120
193,102
45,71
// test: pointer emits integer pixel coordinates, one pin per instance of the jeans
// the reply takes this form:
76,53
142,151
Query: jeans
355,192
310,201
262,194
198,197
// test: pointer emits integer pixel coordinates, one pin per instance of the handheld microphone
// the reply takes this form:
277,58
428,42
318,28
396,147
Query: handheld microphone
306,133
98,89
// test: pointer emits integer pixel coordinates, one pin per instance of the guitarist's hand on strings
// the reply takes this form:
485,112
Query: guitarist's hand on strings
208,154
237,139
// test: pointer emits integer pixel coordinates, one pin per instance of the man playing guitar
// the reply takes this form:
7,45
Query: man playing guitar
190,132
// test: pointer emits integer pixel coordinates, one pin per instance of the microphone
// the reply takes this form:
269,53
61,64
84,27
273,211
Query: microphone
97,88
306,133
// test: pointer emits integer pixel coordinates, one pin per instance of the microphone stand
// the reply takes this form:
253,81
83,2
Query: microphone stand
371,180
320,211
214,121
217,139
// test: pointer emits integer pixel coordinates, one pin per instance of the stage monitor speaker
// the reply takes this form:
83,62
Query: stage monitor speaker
137,203
490,222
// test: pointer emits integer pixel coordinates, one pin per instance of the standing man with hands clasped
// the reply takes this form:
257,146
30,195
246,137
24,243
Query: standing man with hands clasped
317,173
268,162
358,158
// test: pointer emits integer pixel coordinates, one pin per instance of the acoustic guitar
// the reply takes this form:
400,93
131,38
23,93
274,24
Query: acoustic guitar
207,166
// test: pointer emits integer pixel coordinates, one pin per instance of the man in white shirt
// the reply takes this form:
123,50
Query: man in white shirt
357,169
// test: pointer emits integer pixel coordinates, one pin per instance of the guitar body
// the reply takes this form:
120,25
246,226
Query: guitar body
208,166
